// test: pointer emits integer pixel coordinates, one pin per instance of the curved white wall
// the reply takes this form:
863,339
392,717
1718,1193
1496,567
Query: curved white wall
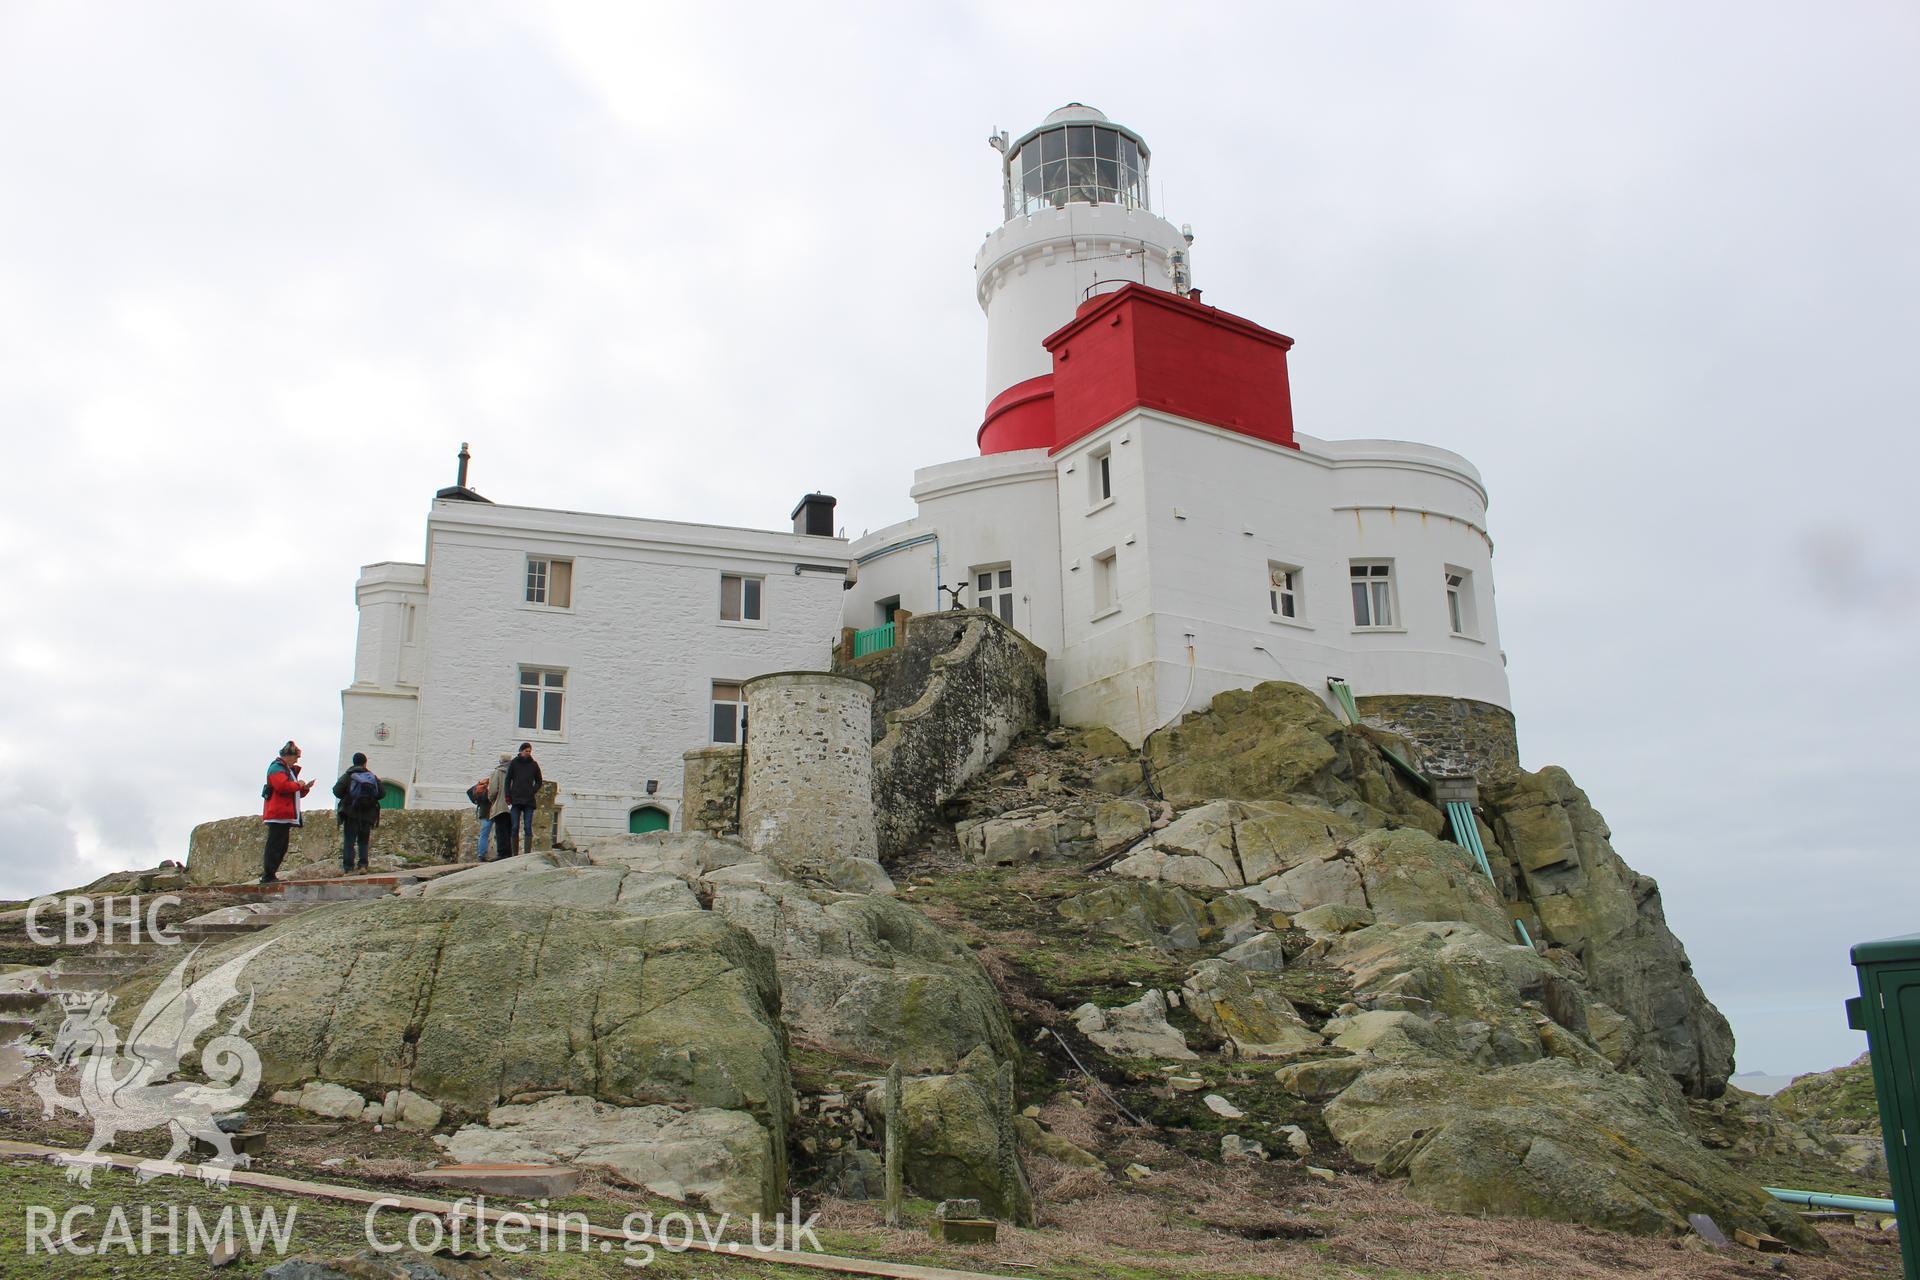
1034,271
995,510
1195,518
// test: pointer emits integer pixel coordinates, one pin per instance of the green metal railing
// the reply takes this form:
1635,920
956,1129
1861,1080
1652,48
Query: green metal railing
873,640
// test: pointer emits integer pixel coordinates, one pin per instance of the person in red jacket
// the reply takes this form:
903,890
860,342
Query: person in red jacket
282,810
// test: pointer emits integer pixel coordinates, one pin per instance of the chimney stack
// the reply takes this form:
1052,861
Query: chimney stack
814,515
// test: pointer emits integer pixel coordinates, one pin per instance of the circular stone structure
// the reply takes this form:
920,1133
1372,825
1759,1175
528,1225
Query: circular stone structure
808,799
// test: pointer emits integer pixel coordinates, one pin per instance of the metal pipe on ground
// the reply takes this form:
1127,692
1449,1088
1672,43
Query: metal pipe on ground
1822,1200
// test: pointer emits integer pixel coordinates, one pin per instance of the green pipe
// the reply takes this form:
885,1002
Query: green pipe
1821,1200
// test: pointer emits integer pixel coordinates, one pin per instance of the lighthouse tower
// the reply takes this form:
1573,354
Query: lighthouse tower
1079,222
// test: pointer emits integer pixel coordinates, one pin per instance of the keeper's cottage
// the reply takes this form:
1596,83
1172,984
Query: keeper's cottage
1140,506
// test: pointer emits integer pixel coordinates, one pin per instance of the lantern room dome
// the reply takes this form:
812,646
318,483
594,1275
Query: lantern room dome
1075,111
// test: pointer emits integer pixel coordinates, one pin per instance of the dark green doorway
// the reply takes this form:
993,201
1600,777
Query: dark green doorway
647,818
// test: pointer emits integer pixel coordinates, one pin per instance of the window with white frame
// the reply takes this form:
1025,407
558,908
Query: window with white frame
993,591
1283,590
1372,593
729,711
1462,617
1106,581
543,699
550,582
740,597
1100,477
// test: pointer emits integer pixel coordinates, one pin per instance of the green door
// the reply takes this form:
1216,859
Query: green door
392,795
645,819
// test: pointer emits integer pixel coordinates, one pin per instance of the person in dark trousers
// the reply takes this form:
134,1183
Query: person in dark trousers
358,792
523,789
499,812
281,812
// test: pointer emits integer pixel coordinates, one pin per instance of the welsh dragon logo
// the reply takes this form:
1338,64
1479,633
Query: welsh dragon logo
128,1087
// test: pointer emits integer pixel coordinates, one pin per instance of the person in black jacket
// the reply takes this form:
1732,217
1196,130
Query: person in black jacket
523,789
358,792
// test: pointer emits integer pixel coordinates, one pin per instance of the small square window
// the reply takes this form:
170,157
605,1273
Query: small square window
1372,593
1283,590
729,712
543,697
550,582
740,597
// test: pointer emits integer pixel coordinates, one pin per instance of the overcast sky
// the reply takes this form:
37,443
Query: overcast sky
1653,267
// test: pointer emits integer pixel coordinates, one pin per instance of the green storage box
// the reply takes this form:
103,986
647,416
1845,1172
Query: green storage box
1888,1010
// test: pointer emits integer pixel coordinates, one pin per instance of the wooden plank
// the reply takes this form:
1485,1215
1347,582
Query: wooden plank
1760,1240
447,1209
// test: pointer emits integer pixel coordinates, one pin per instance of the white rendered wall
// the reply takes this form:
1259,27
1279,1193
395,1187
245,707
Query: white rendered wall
386,669
1197,515
1222,507
1103,671
1035,270
642,645
999,509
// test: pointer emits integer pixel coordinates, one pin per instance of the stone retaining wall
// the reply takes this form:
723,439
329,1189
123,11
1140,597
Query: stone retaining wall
899,675
983,690
1453,735
228,851
710,790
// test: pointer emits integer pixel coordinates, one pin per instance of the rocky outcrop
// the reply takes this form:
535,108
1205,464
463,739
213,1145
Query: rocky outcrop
708,1156
1163,916
960,1137
474,1003
1548,1139
1137,1030
1589,901
1277,741
650,984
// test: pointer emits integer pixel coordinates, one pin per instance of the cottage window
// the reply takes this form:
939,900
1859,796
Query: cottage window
729,712
740,597
1283,590
993,591
1372,593
543,697
550,582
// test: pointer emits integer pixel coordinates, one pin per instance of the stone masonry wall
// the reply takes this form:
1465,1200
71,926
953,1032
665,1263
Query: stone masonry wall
228,851
984,690
809,769
899,675
1453,735
710,778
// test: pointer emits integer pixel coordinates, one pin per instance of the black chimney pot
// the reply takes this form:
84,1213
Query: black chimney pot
814,515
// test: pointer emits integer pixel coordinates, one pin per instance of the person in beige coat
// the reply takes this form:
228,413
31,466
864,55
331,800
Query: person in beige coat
500,811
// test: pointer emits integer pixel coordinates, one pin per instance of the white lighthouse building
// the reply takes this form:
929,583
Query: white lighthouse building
1142,506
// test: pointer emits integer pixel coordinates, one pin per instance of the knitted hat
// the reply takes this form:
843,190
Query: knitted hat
291,749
